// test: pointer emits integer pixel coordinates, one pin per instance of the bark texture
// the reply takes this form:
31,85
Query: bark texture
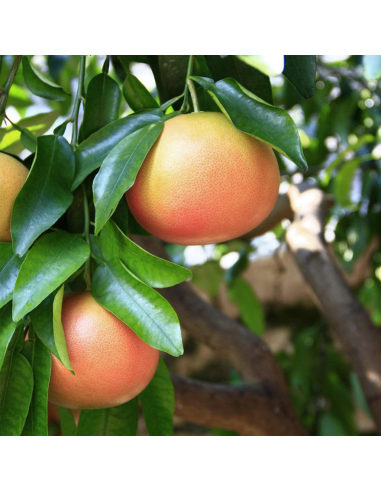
360,339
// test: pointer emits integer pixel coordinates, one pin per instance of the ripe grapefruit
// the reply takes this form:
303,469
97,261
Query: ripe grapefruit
111,363
12,178
204,181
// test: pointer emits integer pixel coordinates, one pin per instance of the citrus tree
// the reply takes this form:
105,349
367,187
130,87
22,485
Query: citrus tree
106,185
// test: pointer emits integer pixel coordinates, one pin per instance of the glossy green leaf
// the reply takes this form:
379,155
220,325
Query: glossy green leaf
59,334
91,153
253,116
48,264
222,67
301,72
150,269
145,311
46,193
117,421
136,95
28,140
158,402
169,103
40,85
38,124
119,170
42,321
9,268
372,66
7,329
16,388
251,310
18,338
103,99
40,361
68,427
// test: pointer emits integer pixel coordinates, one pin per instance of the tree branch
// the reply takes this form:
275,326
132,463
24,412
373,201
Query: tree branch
360,339
247,410
245,351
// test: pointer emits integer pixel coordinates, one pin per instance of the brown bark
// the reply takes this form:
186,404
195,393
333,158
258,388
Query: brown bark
247,410
360,339
246,352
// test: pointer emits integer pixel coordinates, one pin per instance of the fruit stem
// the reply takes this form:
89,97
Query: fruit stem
192,90
185,105
86,233
4,93
77,102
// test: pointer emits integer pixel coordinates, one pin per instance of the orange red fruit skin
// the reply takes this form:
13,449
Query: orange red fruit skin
204,181
13,175
112,364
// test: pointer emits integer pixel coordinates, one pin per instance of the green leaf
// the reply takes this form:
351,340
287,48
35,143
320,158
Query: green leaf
7,329
48,264
207,277
10,265
28,140
230,66
40,361
252,315
158,402
38,124
91,153
329,425
253,116
16,388
46,193
169,103
150,269
17,340
42,322
136,95
372,66
40,85
300,70
119,170
141,308
117,421
68,427
343,182
268,64
59,334
103,99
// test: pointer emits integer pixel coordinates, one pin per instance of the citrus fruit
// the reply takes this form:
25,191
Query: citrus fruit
111,363
12,178
204,181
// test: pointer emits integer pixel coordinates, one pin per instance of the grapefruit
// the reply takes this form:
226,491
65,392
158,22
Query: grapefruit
204,181
12,178
111,363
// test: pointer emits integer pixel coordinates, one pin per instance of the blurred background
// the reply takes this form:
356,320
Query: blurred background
257,281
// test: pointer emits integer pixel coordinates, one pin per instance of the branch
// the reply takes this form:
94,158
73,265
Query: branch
247,410
360,339
4,93
245,351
